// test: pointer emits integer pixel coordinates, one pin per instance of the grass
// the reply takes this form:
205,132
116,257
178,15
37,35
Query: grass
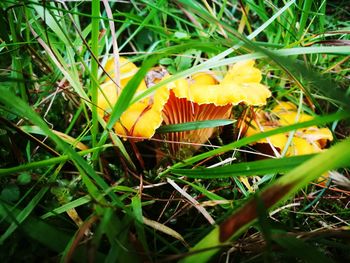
72,190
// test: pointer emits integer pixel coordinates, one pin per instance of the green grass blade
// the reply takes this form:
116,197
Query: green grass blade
128,92
305,13
17,65
195,125
244,169
64,208
139,225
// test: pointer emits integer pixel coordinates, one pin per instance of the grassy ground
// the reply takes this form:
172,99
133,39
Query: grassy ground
72,190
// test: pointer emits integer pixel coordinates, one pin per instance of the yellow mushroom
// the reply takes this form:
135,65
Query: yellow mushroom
305,141
202,98
141,119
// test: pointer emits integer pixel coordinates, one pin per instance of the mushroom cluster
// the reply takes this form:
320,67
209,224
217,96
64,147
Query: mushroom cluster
197,98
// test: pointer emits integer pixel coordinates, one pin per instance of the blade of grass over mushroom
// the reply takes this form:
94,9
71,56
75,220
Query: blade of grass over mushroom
125,98
271,196
129,91
195,125
244,169
262,53
316,121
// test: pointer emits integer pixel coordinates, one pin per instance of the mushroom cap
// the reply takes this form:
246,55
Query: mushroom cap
127,70
203,78
243,72
241,84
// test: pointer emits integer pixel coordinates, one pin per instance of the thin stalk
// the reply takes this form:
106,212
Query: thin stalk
74,119
94,67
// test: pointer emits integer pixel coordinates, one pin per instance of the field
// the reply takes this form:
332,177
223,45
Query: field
174,131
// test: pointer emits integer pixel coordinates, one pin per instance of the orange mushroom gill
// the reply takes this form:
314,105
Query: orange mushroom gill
182,109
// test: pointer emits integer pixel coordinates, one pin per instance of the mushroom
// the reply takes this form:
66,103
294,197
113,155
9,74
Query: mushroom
142,118
204,98
305,141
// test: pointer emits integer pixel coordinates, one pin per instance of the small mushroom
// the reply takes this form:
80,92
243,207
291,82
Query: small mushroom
305,141
141,119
